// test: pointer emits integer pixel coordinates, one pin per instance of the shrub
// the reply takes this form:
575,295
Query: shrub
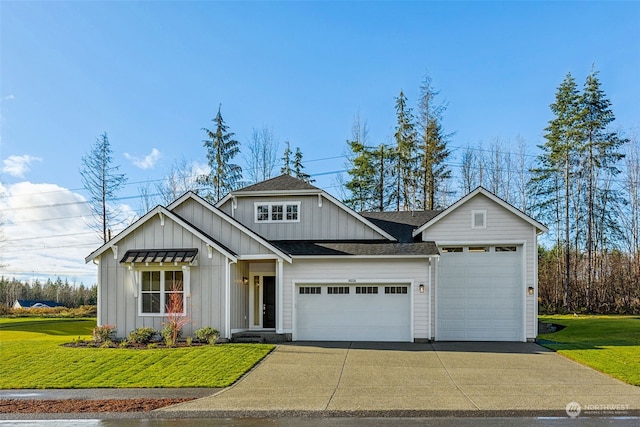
103,333
207,334
171,333
142,335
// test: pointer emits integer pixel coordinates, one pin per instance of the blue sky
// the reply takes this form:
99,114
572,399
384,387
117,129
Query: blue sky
152,74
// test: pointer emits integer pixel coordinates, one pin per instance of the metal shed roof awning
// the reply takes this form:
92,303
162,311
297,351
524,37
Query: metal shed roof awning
159,256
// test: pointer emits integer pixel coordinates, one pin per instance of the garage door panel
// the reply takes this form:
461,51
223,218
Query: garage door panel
479,296
354,317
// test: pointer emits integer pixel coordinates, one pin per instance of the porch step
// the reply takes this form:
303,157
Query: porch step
259,337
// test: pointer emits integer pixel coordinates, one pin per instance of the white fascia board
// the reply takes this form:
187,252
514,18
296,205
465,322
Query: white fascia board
295,257
231,221
124,233
163,211
491,196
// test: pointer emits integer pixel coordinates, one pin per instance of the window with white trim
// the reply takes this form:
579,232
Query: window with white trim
277,211
162,292
479,219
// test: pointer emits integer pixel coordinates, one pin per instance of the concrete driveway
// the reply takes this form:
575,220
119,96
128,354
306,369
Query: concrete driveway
469,377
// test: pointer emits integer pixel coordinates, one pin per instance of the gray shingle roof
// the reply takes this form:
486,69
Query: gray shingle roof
400,224
279,183
368,247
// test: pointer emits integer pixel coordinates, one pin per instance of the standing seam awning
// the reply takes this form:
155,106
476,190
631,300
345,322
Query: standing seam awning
160,255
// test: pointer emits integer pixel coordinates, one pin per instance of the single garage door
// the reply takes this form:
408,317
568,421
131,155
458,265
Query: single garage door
347,312
479,294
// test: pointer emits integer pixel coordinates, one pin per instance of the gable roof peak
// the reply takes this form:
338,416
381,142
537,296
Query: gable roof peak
283,182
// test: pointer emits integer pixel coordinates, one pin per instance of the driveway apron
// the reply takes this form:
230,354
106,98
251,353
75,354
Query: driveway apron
411,376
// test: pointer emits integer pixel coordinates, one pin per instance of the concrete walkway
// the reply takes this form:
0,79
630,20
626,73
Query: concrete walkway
441,377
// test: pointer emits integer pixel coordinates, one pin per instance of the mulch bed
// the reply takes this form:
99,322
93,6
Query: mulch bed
20,406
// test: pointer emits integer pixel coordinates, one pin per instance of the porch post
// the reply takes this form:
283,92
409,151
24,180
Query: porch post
227,299
280,284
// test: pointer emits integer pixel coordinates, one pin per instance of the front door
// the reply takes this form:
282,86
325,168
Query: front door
269,302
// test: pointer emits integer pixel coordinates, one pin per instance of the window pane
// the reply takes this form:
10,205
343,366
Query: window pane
263,213
276,212
292,212
173,281
151,303
151,281
175,302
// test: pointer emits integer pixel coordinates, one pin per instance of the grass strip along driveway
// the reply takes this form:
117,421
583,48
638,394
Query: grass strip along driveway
32,357
609,344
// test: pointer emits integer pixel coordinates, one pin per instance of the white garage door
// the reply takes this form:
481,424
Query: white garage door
363,312
479,294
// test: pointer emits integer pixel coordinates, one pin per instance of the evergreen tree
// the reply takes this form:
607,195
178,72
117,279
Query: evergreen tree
221,149
298,167
553,178
362,172
286,160
600,155
405,156
433,147
102,181
360,169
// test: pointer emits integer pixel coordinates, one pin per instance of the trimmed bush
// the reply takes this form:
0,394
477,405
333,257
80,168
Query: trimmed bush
142,335
103,333
207,334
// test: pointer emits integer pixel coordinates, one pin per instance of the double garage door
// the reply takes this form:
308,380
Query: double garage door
479,294
348,312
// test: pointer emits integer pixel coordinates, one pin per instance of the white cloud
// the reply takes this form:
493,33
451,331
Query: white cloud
18,165
8,97
46,233
146,162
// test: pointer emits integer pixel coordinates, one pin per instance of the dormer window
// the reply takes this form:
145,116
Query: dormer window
277,211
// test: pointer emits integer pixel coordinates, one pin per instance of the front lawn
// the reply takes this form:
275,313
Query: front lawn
610,344
31,357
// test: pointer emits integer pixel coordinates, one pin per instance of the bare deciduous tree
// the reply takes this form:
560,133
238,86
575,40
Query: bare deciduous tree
263,154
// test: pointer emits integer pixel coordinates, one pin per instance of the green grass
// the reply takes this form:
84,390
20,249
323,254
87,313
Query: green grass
610,344
31,356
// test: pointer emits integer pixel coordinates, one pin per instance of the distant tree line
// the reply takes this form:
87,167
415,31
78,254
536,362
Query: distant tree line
70,295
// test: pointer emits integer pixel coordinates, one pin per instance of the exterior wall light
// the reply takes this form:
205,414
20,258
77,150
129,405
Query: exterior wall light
421,288
245,280
530,290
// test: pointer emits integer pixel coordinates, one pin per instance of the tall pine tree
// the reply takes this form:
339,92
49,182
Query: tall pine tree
554,178
600,153
221,149
433,170
298,167
405,156
286,160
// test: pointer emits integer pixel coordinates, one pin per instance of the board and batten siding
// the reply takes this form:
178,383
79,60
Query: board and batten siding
362,271
118,305
326,222
502,226
221,230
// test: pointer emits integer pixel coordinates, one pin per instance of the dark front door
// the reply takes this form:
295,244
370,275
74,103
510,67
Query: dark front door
269,301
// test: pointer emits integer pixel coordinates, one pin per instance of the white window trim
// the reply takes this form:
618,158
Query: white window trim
484,219
186,293
270,205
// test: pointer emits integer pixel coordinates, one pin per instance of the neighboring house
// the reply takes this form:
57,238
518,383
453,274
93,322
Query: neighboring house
27,303
285,256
